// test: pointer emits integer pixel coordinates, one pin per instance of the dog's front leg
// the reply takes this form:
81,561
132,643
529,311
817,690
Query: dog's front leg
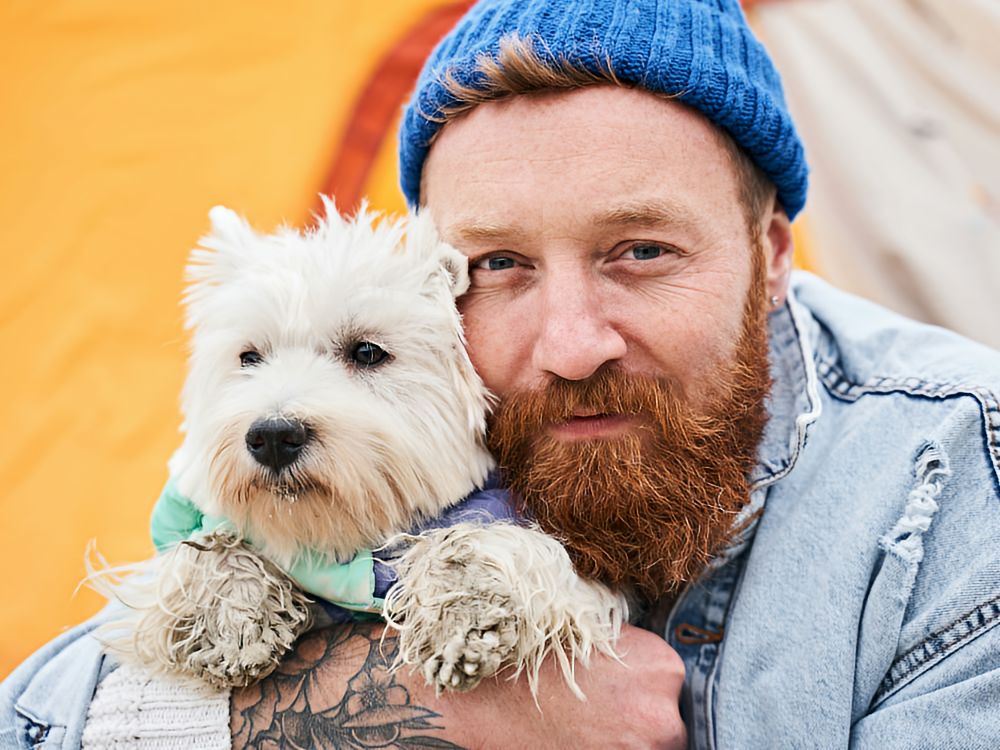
218,612
472,599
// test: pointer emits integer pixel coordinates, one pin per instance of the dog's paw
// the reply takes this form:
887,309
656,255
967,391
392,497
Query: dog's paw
224,614
472,600
474,650
458,618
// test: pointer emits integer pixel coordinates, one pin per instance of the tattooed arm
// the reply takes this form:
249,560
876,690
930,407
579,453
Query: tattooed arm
336,691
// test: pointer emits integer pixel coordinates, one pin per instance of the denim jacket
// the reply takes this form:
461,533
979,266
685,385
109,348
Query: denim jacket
857,607
43,703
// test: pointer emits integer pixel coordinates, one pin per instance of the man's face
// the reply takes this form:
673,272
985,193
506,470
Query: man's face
606,240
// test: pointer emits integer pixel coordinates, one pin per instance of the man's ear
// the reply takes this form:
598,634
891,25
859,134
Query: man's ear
776,238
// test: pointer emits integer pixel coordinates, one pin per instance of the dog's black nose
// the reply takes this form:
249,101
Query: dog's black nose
276,443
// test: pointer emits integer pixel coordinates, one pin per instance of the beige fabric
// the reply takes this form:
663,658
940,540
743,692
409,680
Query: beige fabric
136,710
898,102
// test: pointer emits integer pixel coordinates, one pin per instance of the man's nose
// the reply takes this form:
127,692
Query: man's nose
575,337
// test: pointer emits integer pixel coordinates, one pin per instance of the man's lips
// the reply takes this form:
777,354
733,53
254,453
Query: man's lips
586,425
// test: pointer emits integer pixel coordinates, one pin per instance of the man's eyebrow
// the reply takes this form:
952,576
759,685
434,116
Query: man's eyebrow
646,214
479,231
653,213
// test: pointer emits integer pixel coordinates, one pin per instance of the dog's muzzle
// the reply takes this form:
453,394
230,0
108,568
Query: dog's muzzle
276,443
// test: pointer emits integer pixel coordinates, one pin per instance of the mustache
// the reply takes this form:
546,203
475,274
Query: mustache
610,391
523,416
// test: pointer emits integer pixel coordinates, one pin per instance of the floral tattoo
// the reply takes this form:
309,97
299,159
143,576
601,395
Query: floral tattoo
304,704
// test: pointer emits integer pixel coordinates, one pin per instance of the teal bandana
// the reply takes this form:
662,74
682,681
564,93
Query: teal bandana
349,585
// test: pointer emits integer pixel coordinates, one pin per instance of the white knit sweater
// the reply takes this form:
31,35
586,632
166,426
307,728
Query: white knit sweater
134,709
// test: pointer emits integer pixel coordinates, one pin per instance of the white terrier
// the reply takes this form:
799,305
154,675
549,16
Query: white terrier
330,408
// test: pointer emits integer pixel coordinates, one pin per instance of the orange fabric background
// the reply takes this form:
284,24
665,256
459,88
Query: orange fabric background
123,123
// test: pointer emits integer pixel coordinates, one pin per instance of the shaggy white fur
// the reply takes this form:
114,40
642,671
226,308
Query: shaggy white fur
350,332
212,609
472,598
389,443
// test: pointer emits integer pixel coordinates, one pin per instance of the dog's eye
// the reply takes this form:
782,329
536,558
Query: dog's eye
250,358
367,354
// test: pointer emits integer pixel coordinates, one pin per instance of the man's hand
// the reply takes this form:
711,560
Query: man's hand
336,691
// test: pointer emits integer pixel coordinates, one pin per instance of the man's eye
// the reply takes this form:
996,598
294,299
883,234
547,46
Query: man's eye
495,263
367,354
646,252
250,358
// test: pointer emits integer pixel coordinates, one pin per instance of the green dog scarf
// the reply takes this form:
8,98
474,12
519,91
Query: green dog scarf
349,585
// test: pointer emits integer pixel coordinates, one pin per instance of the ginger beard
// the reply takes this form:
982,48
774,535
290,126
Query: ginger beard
644,511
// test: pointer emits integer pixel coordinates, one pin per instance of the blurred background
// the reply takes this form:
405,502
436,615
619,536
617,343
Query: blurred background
123,123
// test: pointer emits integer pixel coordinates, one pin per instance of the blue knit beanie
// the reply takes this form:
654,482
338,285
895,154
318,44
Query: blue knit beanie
701,51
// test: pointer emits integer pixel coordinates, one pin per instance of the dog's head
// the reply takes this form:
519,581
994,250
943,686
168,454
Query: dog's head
330,400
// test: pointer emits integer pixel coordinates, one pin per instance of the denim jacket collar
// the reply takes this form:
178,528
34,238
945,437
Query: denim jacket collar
793,406
794,403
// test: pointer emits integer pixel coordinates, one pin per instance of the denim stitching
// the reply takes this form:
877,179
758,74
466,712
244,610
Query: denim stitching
922,657
842,387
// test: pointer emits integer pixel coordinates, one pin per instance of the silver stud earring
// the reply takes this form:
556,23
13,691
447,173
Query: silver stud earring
774,300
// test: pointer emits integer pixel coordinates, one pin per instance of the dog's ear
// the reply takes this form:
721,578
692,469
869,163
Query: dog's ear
449,262
217,257
220,251
456,266
229,228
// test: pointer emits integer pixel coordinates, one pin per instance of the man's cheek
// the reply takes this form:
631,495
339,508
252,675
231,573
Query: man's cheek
496,348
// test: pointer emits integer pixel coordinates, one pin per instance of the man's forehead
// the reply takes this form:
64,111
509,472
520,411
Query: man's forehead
610,156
